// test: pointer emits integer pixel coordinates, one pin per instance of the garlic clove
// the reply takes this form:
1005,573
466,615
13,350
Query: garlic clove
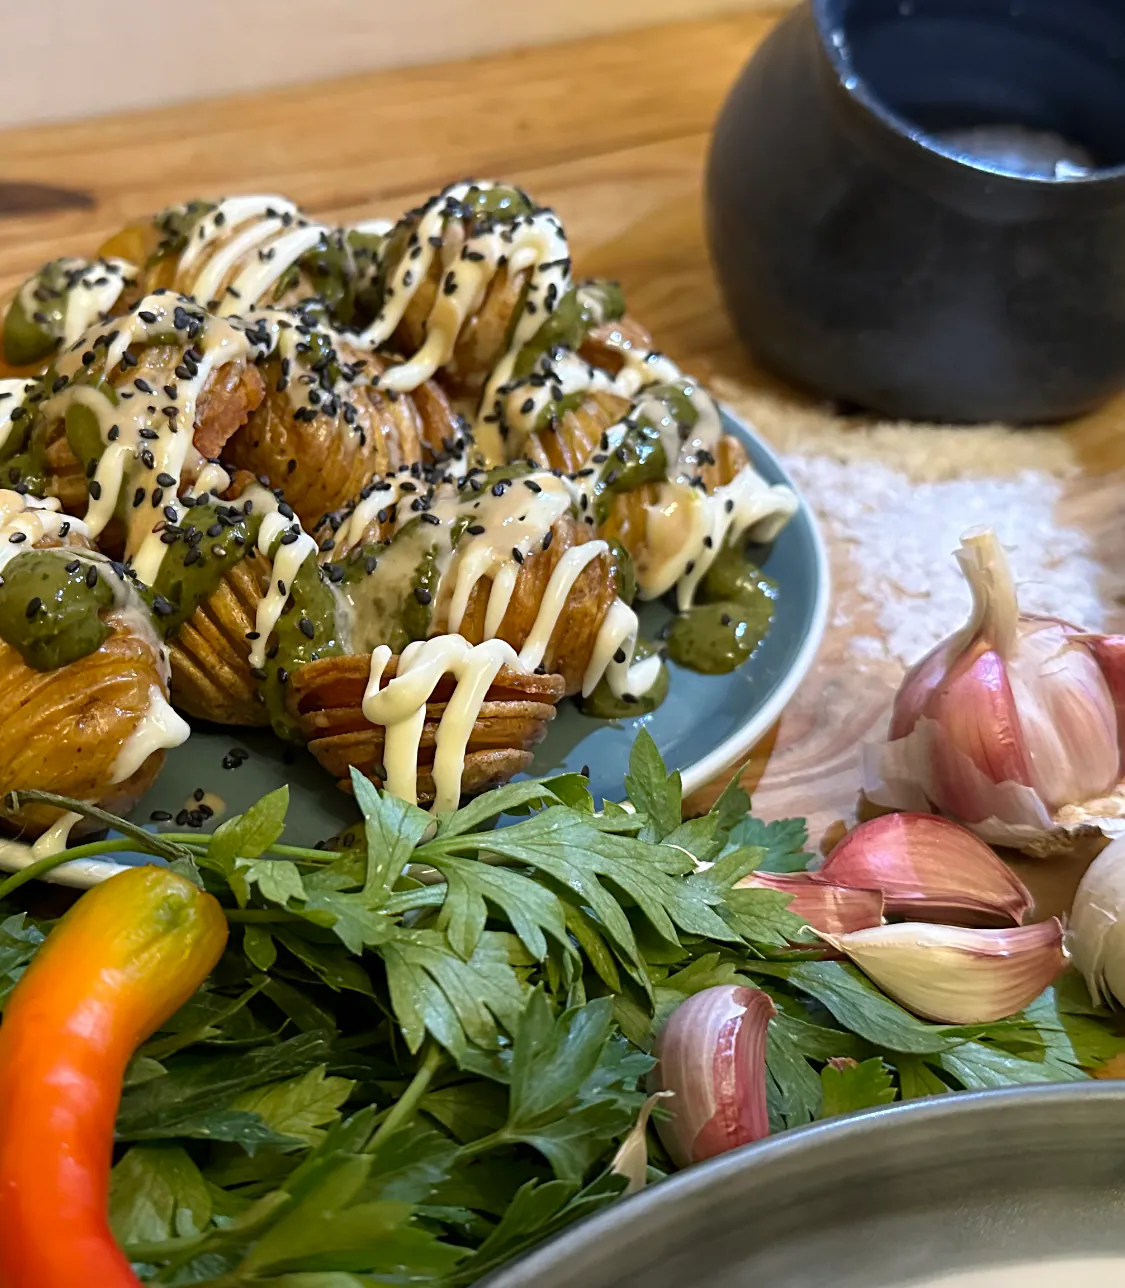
1109,653
918,686
1067,717
956,975
980,744
826,906
1095,930
631,1159
711,1054
928,869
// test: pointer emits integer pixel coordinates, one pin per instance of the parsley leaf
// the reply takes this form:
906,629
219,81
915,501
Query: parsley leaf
157,1192
783,842
655,793
849,1087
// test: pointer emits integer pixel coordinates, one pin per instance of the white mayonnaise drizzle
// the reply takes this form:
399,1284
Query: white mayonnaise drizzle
12,394
26,520
147,433
400,707
291,546
238,252
159,729
15,855
92,288
534,244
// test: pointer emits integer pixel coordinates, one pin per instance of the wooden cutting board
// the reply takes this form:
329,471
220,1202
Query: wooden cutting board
612,132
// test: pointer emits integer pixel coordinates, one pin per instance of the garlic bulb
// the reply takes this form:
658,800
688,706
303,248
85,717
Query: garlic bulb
711,1053
1010,725
956,975
928,869
1095,932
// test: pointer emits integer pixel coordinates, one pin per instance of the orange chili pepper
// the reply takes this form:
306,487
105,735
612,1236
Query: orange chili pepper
127,955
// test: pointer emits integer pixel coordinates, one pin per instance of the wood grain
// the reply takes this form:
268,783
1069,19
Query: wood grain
612,132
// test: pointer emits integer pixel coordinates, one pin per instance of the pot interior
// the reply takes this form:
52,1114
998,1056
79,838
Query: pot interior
1027,87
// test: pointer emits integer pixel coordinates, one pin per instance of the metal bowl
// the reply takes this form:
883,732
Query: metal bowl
878,1200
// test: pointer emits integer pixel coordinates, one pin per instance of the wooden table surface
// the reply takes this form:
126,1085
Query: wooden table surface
613,133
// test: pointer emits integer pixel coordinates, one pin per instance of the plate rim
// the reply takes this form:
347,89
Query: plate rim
700,772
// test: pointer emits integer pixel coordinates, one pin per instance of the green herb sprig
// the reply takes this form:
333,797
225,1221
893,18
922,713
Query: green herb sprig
419,1054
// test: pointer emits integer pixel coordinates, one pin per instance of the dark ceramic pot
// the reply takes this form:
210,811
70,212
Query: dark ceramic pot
872,245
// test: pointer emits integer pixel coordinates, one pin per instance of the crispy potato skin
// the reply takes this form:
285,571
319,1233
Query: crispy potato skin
326,697
482,340
63,729
325,463
209,654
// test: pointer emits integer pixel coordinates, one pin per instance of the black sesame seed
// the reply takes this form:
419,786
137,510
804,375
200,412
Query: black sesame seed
619,656
517,554
33,606
724,619
422,595
95,489
160,816
91,576
193,556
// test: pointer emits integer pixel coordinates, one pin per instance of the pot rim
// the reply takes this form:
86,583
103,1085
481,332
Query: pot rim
848,82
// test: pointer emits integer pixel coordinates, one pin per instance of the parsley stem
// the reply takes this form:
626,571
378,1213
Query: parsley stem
199,842
407,1103
52,861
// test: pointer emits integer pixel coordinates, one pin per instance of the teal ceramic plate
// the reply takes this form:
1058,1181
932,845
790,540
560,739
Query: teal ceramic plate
707,723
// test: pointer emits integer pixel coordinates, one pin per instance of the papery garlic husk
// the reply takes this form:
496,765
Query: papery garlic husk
1009,726
834,908
711,1053
928,869
1095,930
631,1159
957,975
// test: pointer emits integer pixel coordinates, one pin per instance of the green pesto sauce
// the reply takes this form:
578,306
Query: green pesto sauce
716,637
603,705
579,310
497,203
361,305
555,409
330,268
311,599
176,225
624,572
32,338
733,576
390,588
185,578
639,458
23,458
49,611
